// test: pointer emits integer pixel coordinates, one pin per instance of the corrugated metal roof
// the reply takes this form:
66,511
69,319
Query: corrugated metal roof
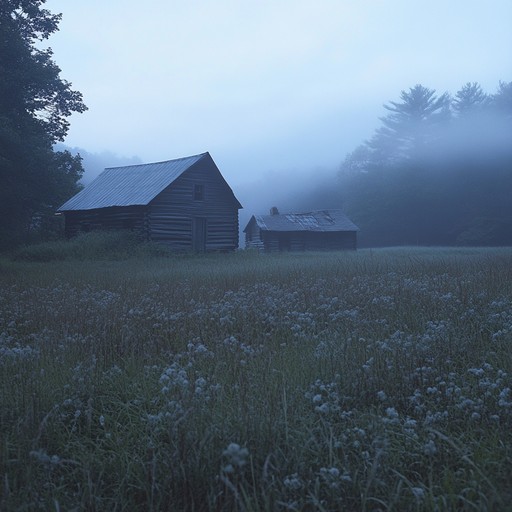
130,185
321,220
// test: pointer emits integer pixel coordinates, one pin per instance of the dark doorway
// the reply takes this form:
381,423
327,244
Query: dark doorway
199,234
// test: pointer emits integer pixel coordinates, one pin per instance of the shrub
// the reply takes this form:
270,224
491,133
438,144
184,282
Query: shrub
96,245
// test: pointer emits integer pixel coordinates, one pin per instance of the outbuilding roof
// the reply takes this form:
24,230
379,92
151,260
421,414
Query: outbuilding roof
130,185
321,220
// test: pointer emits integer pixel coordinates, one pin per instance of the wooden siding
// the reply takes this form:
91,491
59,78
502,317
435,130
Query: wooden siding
115,218
197,211
171,214
253,237
272,241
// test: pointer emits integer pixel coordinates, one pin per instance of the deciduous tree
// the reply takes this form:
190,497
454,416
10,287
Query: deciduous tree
35,103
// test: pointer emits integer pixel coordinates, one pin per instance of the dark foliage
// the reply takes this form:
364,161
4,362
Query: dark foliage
438,172
93,246
34,106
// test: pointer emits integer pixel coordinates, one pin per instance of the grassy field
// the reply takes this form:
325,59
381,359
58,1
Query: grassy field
375,380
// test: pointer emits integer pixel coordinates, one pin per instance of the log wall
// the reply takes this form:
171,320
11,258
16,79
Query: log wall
114,218
198,198
272,241
171,214
253,237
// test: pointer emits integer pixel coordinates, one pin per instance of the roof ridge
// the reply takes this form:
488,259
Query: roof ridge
161,162
303,213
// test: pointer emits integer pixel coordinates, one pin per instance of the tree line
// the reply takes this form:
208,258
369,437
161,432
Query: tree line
438,171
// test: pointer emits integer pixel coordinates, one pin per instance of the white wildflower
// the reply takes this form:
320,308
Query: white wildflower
430,448
391,413
419,492
323,409
292,482
236,457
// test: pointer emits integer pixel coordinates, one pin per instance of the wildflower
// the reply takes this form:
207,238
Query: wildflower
430,448
200,385
419,492
331,472
410,423
323,409
503,402
236,458
292,482
42,457
391,413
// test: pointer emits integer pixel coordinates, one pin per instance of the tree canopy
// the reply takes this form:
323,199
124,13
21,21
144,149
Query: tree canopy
437,172
411,124
470,99
35,103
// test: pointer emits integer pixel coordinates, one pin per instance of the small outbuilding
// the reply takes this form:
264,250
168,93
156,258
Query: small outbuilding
185,204
317,230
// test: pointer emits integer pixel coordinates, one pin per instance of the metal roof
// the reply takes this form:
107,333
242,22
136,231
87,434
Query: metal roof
130,185
321,221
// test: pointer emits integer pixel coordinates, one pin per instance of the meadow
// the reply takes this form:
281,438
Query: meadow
369,380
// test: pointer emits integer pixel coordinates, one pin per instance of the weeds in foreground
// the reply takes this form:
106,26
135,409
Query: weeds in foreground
379,380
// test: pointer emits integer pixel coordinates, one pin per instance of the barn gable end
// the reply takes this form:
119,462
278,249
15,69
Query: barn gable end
196,211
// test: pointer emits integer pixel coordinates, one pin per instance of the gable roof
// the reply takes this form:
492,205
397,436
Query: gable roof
320,221
131,185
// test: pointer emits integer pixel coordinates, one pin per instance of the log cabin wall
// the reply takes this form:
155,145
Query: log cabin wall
114,218
196,210
253,236
199,193
328,240
317,230
272,241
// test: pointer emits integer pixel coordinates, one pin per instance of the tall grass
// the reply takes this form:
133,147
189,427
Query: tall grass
95,245
376,380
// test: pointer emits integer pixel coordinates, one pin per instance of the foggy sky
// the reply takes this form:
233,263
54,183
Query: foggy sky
272,89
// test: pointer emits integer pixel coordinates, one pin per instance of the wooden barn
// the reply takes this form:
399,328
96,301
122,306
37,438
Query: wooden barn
317,230
185,204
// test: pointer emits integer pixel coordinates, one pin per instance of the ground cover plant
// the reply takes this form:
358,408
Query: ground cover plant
375,380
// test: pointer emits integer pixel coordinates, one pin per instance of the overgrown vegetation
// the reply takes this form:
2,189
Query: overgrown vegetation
376,380
95,245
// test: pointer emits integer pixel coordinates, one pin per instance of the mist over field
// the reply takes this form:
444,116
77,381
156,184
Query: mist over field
437,171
